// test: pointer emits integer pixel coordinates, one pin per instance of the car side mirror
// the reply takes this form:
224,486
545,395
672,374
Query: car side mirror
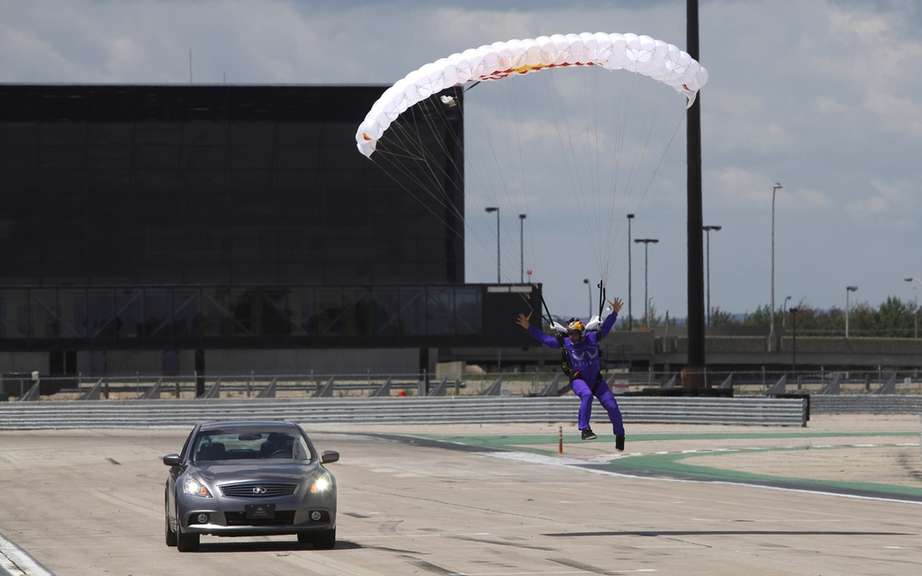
172,460
329,456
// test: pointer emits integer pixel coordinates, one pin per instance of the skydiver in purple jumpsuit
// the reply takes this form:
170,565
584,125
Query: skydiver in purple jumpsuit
585,378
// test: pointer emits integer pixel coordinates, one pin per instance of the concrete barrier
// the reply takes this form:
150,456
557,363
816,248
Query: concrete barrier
866,404
144,413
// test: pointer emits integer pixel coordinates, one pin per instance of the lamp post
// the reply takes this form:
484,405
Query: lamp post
489,209
915,299
771,331
630,315
848,290
589,286
707,233
646,261
784,307
521,248
794,312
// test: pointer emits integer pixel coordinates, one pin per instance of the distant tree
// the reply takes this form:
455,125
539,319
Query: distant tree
759,318
719,318
894,318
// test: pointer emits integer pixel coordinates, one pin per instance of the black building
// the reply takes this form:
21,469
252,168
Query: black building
145,227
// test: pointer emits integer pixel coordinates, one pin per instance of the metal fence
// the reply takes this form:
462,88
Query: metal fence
148,413
22,387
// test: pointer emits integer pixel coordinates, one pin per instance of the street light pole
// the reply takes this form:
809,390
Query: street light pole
589,286
915,300
646,265
707,231
489,209
848,289
771,331
794,312
630,315
521,248
784,308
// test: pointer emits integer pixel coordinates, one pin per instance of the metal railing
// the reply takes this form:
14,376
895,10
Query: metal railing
461,409
363,385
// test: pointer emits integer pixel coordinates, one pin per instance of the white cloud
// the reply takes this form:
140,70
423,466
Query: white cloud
823,98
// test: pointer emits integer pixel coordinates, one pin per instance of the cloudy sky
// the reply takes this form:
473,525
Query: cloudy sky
819,95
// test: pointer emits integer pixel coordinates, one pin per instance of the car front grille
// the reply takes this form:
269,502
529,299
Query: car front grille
258,490
281,518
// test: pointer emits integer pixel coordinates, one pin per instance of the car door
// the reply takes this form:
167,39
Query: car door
175,471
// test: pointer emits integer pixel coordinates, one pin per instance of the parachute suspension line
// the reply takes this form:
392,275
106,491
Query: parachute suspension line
597,215
420,147
445,200
659,164
643,197
520,194
619,180
474,233
602,295
433,182
430,123
567,145
550,319
380,163
427,115
617,144
408,173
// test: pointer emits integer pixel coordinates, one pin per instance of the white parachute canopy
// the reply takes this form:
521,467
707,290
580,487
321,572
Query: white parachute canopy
640,54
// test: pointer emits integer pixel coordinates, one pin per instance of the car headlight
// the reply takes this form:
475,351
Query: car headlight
195,487
321,484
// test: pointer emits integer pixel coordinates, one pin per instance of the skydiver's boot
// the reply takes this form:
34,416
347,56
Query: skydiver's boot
619,443
588,434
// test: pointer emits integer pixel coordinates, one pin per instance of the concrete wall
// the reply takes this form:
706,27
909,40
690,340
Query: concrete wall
24,362
279,361
318,361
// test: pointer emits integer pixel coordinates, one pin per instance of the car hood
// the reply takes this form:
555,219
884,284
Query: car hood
283,472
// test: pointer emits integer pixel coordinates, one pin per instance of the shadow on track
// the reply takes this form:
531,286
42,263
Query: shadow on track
278,546
725,533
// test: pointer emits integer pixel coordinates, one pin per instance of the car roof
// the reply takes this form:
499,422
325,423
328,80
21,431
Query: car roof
262,424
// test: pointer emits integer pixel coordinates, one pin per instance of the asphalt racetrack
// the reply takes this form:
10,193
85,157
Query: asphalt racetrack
842,496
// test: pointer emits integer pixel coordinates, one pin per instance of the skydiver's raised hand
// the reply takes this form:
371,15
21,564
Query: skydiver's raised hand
523,320
616,305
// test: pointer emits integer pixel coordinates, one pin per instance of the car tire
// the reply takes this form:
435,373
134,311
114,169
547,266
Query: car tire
325,540
170,535
187,542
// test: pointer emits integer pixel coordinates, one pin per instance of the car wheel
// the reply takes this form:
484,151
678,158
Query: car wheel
187,542
326,540
170,535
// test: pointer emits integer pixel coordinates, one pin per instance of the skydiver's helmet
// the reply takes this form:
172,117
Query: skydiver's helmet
576,326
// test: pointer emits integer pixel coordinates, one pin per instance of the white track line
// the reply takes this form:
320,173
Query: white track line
532,458
15,561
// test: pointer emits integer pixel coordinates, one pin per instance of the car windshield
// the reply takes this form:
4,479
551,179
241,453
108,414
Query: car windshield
215,445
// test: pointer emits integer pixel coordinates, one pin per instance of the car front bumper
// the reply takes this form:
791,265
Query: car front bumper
227,516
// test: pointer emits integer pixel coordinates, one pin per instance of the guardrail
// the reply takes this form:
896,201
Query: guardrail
866,404
743,383
456,409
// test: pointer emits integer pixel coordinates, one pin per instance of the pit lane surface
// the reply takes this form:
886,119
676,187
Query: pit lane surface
90,502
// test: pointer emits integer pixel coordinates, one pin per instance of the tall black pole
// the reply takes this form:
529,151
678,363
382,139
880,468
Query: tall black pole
708,277
630,312
696,357
521,248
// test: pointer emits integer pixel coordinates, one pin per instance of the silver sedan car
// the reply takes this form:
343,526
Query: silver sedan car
249,479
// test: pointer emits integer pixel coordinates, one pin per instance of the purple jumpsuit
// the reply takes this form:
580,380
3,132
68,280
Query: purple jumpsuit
586,379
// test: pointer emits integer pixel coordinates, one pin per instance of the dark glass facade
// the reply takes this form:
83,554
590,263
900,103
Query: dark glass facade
214,316
214,184
208,217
